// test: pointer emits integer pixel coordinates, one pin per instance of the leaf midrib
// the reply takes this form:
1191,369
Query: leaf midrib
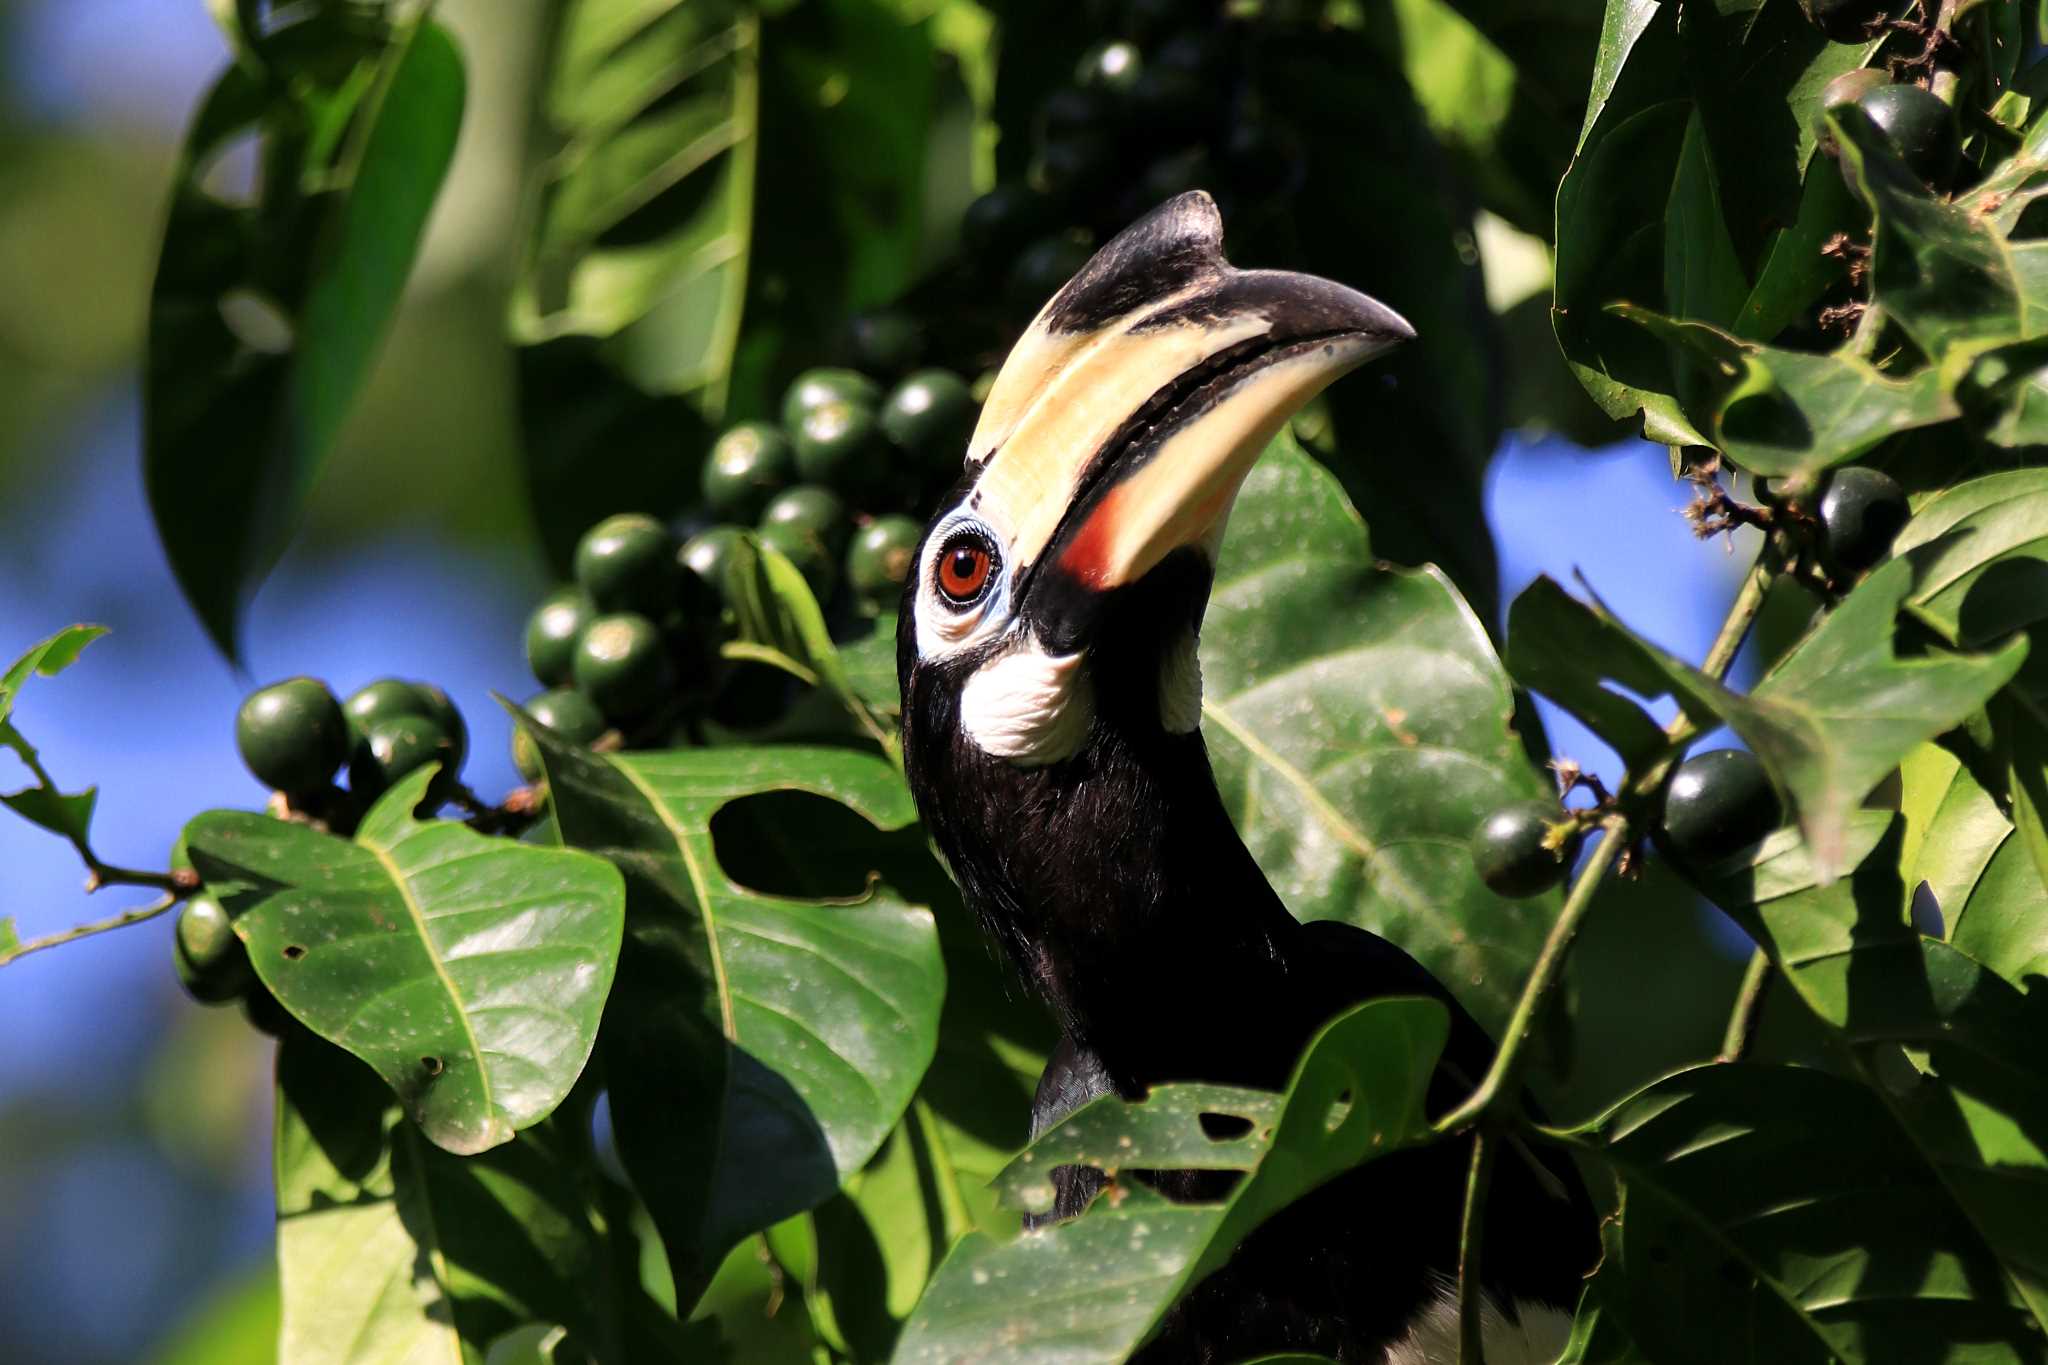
701,885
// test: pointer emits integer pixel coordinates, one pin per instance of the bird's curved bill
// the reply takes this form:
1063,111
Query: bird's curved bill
1125,419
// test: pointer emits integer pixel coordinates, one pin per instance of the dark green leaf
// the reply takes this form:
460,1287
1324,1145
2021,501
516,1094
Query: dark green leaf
1358,722
1570,650
1979,552
64,813
264,319
1078,1293
1780,1214
49,658
469,971
758,1047
778,622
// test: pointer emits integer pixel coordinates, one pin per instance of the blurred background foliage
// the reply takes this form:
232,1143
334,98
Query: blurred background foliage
135,1201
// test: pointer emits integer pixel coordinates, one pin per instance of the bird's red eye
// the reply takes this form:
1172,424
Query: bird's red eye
964,567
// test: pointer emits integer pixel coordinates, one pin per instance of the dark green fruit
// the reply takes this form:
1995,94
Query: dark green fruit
390,697
839,443
1920,126
568,713
885,343
816,512
1860,515
628,563
1004,221
551,634
1509,853
807,550
705,555
1167,101
1042,268
931,415
1071,112
1715,803
1847,88
879,560
213,966
292,735
750,464
1845,21
265,1015
814,387
622,665
393,747
1109,66
1075,164
440,710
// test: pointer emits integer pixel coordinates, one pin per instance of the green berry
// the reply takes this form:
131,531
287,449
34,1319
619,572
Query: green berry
930,415
814,387
1004,221
1109,66
1509,851
440,710
1169,101
387,698
706,555
839,444
1075,164
749,465
622,665
1073,112
1920,126
1042,268
885,343
817,512
879,560
213,966
1861,513
394,746
551,634
807,551
292,735
568,713
628,563
1715,803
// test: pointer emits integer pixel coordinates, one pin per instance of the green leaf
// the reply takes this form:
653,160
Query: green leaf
1780,412
1359,725
778,621
47,659
64,813
1076,1291
1979,555
1570,650
1949,1047
646,207
1779,1213
1961,845
389,1249
265,318
468,971
10,936
759,1047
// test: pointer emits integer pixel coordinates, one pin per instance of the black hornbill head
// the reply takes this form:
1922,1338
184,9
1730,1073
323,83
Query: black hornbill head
1046,645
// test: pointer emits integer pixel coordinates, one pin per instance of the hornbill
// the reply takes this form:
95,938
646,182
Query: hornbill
1051,705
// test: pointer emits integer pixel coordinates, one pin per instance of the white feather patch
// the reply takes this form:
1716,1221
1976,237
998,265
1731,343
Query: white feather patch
1028,706
1180,686
1537,1339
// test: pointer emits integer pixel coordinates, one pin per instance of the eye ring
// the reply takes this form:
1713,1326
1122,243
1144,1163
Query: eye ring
964,568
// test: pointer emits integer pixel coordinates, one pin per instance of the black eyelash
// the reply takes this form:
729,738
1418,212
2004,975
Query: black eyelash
965,535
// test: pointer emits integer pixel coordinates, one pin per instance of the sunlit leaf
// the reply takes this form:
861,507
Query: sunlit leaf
46,659
1092,1288
1358,722
468,971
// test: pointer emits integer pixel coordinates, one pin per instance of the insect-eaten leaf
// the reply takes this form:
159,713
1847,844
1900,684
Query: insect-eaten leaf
759,1047
1092,1288
470,972
265,315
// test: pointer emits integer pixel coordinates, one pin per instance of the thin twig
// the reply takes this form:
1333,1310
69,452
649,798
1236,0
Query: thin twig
120,921
101,874
1471,1236
1749,1002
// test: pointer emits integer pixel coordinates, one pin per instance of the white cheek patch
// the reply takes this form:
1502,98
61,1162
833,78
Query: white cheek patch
1432,1339
1180,686
1029,707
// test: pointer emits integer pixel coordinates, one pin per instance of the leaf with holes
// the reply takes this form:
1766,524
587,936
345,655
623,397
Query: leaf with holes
1781,1213
1091,1289
759,1047
265,317
1358,722
390,1249
470,972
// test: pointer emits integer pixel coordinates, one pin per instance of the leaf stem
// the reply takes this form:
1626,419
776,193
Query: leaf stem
1471,1235
1749,1000
102,874
120,921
